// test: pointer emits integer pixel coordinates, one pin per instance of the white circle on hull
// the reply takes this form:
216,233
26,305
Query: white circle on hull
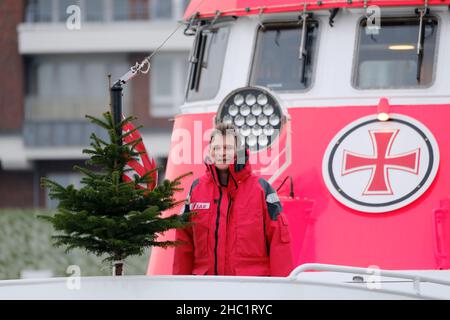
379,166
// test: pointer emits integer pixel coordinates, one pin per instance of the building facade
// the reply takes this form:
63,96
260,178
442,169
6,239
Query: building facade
55,58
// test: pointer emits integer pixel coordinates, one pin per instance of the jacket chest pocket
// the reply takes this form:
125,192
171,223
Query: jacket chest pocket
250,234
201,222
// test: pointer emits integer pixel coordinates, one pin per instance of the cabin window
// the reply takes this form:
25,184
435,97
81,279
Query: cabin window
278,63
206,63
389,59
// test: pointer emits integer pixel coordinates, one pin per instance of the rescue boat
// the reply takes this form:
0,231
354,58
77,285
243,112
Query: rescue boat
344,106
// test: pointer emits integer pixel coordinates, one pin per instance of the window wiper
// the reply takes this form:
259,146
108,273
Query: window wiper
303,53
211,33
196,59
305,20
193,59
333,13
420,42
199,66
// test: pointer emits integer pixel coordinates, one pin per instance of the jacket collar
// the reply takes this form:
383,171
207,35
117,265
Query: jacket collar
239,171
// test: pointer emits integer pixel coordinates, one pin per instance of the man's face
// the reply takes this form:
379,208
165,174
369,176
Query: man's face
222,150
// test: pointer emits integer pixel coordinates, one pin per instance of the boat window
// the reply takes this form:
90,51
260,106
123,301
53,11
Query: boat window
206,63
279,63
389,58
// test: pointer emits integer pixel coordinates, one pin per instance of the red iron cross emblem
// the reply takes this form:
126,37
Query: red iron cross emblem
381,162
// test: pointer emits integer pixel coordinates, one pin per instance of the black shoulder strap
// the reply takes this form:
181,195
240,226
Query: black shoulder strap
272,200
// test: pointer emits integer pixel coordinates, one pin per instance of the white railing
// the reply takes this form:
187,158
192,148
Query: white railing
416,279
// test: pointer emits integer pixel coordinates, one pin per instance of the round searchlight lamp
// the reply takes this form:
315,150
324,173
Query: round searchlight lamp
256,114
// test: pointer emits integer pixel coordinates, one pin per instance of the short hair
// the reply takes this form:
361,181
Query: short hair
227,128
224,129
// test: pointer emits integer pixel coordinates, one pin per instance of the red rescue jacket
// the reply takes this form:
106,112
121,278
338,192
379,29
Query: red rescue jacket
237,230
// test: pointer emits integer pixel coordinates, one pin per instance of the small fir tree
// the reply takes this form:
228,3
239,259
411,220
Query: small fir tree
107,215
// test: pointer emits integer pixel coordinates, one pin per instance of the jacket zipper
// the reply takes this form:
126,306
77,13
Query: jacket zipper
217,232
228,209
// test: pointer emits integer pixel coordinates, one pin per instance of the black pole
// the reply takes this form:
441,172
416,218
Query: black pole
116,106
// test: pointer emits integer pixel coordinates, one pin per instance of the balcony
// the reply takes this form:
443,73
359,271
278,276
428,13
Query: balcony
91,38
110,26
60,122
55,128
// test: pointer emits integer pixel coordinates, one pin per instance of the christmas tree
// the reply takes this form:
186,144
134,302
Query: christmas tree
108,215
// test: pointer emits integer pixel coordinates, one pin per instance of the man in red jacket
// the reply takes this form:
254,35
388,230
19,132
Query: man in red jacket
238,226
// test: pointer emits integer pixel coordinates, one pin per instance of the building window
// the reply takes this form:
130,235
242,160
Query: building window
105,10
162,9
277,63
121,10
62,9
140,10
206,63
167,83
169,9
390,60
39,11
67,87
95,10
130,10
